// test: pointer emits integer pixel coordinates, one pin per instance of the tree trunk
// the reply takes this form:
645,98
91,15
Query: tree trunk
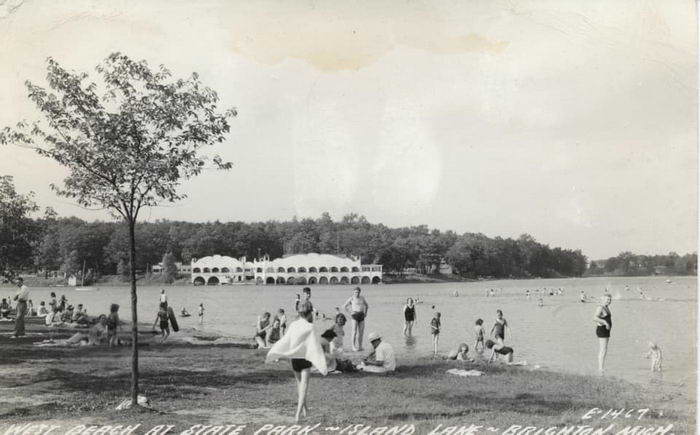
134,317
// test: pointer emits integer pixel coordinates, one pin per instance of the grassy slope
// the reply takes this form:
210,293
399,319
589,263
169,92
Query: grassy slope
218,385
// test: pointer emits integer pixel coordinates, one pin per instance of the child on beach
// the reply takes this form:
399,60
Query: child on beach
499,327
261,328
435,330
339,330
283,320
461,353
112,325
654,354
42,309
274,332
479,336
500,349
201,312
164,319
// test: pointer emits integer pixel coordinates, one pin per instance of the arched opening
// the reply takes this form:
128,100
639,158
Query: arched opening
280,269
225,270
199,281
196,270
312,269
344,280
206,270
291,280
344,269
280,280
323,280
355,269
334,280
258,280
323,269
270,280
270,270
334,269
365,280
291,270
312,280
355,280
301,270
259,270
376,280
213,280
300,281
239,270
215,270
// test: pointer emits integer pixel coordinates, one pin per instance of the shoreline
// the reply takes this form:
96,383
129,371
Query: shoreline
56,385
388,280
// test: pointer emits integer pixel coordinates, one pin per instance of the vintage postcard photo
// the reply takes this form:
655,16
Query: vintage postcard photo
348,217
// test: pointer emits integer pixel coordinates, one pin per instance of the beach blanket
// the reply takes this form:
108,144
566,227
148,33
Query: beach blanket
300,341
465,373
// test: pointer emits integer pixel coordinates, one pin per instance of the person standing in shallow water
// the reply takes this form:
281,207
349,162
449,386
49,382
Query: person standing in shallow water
603,321
409,315
358,311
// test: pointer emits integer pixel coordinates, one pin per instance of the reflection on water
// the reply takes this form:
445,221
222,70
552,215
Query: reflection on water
410,343
559,335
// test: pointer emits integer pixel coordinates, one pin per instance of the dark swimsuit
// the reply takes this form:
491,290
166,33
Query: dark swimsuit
409,313
505,350
359,316
500,328
263,325
163,316
299,364
601,331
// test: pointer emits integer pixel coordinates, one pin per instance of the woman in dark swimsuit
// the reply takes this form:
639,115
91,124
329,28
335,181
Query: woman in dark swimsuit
409,315
603,321
499,328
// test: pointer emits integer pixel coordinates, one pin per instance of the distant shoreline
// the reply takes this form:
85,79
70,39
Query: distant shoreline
114,281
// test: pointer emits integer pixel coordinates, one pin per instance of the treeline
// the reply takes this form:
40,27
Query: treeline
629,264
69,244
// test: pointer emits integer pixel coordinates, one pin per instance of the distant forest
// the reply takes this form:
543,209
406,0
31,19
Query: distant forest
66,244
629,264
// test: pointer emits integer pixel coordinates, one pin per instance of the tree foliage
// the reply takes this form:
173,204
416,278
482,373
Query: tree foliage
18,232
127,143
169,268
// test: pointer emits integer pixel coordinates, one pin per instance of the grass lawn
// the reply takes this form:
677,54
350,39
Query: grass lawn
217,385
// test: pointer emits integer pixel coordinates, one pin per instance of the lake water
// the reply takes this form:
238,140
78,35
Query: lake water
559,336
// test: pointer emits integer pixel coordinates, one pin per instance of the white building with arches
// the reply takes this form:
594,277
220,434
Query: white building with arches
298,269
220,269
310,269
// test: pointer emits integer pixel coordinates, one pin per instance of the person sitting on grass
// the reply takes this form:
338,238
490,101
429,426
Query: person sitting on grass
460,354
42,309
67,315
499,349
4,308
80,315
54,318
381,359
164,319
274,332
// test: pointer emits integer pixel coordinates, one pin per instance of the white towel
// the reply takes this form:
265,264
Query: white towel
465,373
300,341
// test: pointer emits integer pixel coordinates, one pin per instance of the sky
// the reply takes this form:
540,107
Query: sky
575,122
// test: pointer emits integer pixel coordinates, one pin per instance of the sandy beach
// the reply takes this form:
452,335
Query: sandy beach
72,386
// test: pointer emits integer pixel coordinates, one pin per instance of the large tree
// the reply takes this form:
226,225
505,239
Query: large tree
128,142
18,232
